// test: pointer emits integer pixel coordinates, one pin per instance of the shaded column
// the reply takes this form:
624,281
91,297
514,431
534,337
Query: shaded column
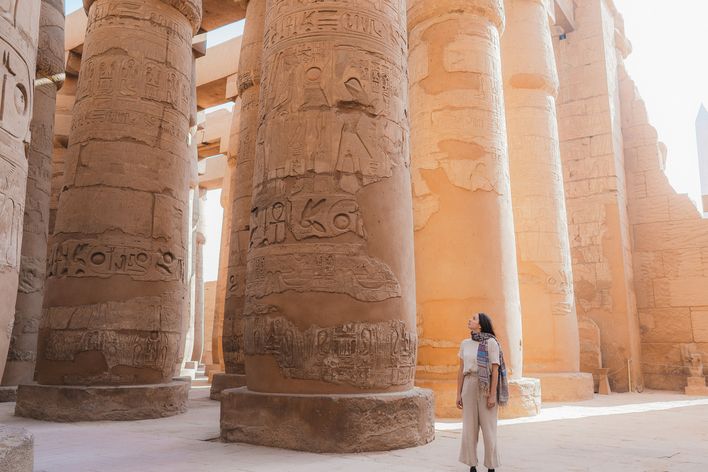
249,78
19,24
28,309
198,347
550,325
464,230
329,313
115,292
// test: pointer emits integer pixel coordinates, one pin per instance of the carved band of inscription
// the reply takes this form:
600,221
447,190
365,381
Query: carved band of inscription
333,268
364,355
90,258
306,216
334,18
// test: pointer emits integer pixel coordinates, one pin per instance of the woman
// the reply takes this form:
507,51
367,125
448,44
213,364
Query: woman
482,371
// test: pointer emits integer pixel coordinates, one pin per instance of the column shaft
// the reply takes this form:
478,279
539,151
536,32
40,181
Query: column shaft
115,292
330,292
551,346
18,43
30,293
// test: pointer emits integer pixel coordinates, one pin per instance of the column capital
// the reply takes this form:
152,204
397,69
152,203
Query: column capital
421,10
191,9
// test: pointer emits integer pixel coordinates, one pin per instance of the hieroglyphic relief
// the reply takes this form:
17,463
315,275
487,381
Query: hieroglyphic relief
333,268
11,213
140,349
361,354
15,92
91,258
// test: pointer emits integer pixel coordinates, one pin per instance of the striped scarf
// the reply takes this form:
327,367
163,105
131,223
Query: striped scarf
484,370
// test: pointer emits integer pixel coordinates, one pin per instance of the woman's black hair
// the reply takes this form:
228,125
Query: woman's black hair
485,323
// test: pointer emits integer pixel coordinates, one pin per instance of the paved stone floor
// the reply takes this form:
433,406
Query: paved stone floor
654,431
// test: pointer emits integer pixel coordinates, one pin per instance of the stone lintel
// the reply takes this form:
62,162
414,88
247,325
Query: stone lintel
63,403
328,423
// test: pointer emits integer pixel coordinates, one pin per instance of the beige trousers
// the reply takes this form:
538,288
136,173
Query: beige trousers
476,416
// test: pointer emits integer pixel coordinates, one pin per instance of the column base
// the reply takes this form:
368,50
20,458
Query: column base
445,392
328,423
223,381
524,399
211,369
71,403
8,393
16,449
564,386
696,386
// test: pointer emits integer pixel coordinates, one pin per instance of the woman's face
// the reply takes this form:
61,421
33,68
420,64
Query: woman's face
473,323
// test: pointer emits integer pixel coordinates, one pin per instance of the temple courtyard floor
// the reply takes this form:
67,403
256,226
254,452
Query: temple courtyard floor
653,431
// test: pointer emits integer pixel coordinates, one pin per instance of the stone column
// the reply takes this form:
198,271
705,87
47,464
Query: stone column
550,324
18,41
464,230
115,292
198,347
329,316
249,72
28,309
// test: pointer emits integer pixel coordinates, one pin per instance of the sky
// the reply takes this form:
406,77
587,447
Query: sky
668,64
670,68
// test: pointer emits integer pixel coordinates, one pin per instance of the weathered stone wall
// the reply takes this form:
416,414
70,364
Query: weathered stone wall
670,254
209,312
594,179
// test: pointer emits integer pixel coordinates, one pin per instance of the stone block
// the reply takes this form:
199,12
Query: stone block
649,210
16,450
114,403
686,291
564,386
328,423
524,399
8,394
679,263
223,381
445,392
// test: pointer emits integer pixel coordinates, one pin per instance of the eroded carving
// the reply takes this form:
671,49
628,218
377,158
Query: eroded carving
361,354
334,268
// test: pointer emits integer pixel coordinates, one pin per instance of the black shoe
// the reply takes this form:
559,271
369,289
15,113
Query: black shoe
490,470
473,469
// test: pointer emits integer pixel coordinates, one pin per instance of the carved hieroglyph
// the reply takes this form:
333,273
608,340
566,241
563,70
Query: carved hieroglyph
30,293
244,136
330,231
18,43
543,252
464,233
115,294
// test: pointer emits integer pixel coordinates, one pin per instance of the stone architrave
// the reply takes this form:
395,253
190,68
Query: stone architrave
115,293
198,347
28,309
249,79
329,318
465,252
19,21
550,324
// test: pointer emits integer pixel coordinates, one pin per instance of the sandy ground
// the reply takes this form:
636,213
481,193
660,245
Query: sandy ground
653,431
